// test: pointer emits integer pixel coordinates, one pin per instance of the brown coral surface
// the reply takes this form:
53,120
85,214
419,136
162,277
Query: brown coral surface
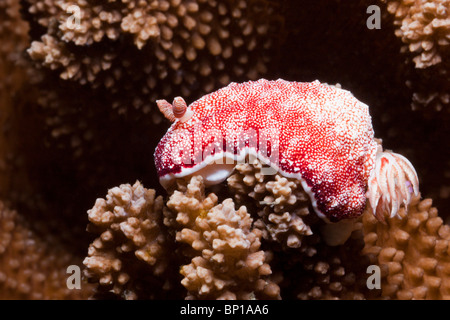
226,260
32,266
138,51
131,255
414,253
424,28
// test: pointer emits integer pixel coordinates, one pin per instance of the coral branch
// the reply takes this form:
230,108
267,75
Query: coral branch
131,243
226,259
424,28
33,267
135,49
281,203
414,252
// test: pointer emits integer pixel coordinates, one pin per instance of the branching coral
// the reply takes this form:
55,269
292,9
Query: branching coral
142,47
413,252
110,62
329,272
323,272
281,203
28,164
226,259
244,253
35,250
424,27
132,250
32,267
296,241
78,118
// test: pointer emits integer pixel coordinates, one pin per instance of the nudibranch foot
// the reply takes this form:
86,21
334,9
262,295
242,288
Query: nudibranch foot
391,185
336,234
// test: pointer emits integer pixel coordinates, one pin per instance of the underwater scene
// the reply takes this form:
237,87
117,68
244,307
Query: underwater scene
224,150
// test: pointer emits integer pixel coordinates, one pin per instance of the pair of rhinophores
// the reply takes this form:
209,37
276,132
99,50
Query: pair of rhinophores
321,135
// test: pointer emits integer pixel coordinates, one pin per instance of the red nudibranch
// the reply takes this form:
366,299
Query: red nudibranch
316,133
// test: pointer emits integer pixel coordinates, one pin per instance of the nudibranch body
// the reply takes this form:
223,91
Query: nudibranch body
316,133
